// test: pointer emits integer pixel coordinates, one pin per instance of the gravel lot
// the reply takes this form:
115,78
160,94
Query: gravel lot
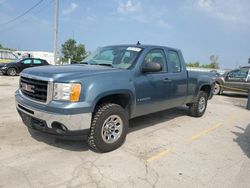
166,149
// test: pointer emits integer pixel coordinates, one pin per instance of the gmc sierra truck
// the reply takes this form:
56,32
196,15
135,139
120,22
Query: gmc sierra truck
96,99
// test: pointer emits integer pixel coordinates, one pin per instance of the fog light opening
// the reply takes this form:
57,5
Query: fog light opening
59,128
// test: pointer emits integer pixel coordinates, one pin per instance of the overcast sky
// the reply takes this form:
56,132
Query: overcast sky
199,28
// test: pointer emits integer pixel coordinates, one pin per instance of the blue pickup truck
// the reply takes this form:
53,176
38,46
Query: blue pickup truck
97,98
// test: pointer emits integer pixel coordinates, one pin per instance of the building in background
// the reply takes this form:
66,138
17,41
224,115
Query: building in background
7,56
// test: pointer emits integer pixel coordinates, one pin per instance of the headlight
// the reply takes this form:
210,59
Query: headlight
67,92
4,67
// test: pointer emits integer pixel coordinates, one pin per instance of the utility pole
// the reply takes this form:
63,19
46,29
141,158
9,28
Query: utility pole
55,30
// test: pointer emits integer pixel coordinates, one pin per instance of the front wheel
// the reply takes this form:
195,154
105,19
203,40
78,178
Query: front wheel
217,89
198,107
108,128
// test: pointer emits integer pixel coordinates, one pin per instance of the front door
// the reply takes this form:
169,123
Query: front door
153,90
26,63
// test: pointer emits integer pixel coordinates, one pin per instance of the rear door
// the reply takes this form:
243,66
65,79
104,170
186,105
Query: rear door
178,76
37,62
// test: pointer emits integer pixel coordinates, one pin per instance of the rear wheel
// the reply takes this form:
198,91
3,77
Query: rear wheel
198,107
108,128
11,72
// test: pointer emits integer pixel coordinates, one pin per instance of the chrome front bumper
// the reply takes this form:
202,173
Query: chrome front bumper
73,122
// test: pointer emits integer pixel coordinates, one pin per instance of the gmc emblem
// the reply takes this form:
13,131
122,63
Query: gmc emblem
27,87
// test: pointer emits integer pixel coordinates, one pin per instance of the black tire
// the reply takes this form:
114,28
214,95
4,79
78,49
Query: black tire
198,107
96,136
11,72
217,89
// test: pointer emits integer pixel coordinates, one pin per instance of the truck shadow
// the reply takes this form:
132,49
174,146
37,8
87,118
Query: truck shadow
155,118
71,145
234,95
135,124
243,139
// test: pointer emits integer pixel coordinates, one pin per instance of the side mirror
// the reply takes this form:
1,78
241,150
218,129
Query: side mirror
151,67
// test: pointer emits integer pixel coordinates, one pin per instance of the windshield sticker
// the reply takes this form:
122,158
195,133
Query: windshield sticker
134,49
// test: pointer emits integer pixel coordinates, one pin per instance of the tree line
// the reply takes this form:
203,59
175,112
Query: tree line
76,52
214,64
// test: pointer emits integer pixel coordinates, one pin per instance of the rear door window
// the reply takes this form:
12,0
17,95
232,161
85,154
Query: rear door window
174,61
37,61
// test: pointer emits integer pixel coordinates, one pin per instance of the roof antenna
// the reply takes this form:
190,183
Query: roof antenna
138,43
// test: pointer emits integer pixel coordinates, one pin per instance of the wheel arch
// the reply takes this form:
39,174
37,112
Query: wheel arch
122,98
206,88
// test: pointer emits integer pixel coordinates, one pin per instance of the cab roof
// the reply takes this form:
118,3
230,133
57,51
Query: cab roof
144,46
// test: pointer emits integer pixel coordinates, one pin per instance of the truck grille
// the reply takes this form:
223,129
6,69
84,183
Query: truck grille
34,89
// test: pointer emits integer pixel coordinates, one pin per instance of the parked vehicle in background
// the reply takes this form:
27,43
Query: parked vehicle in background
97,98
237,80
7,56
15,68
48,56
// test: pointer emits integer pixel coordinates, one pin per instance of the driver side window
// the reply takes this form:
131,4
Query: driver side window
157,56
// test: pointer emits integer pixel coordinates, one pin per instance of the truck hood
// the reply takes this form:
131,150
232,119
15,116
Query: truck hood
69,72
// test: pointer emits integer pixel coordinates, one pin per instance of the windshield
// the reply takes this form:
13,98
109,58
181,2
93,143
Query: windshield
118,56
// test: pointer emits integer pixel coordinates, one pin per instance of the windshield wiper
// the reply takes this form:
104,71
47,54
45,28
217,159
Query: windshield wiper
101,64
85,63
104,64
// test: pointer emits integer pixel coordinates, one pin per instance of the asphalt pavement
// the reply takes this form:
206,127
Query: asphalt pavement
165,149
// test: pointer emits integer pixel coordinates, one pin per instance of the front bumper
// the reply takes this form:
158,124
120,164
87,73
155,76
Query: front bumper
212,91
53,123
3,70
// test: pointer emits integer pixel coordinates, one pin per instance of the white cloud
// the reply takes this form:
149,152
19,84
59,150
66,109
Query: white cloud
72,7
128,6
142,13
206,5
231,11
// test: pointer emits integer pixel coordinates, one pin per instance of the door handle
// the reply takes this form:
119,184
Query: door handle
167,80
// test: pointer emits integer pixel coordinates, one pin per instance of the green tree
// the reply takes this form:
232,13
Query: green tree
213,65
72,50
194,64
1,47
214,62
